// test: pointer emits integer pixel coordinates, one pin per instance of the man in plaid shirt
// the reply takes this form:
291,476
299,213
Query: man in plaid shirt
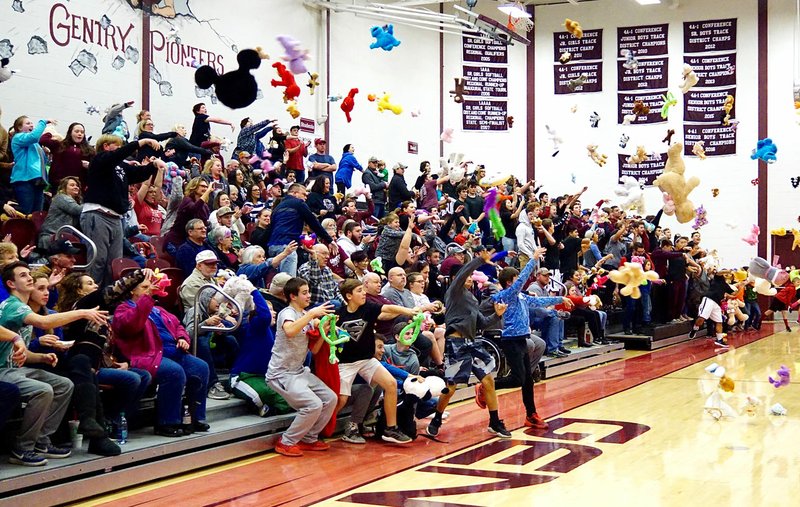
320,277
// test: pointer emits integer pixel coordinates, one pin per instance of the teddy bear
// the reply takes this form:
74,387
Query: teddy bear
384,37
632,276
294,54
734,311
632,194
240,289
458,92
237,88
598,158
640,108
689,78
574,28
291,91
673,182
638,157
699,150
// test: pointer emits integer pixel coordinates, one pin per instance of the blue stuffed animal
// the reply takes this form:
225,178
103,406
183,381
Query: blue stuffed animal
384,37
765,150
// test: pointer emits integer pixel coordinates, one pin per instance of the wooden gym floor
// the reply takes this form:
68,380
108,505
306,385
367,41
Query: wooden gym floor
633,432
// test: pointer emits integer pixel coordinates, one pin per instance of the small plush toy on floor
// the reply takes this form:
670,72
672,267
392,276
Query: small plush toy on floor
715,405
235,89
384,37
782,377
765,150
777,409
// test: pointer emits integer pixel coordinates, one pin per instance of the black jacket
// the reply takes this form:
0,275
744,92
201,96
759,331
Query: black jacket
109,175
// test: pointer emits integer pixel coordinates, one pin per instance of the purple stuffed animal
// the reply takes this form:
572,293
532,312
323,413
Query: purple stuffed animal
783,377
294,54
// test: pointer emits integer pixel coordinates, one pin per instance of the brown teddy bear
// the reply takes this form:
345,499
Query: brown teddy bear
676,185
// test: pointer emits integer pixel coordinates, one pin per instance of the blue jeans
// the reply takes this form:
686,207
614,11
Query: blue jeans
753,312
380,209
289,264
204,352
508,244
129,387
30,196
550,325
182,370
647,307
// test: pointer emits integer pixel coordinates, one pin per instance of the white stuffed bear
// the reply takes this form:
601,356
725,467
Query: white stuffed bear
424,388
241,289
632,194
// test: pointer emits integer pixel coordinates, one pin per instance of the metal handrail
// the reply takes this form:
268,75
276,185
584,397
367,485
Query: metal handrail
197,327
92,254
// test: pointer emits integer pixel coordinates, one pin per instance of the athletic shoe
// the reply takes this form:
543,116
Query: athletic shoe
27,458
291,451
217,392
395,436
563,315
534,421
499,429
693,333
721,342
367,431
556,353
319,445
445,415
628,332
433,428
480,396
564,350
352,435
263,411
51,451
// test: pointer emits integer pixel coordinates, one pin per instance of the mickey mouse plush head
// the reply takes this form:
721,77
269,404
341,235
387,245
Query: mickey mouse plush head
5,71
235,89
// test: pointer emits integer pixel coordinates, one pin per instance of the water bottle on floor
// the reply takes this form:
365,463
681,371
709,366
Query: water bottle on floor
122,437
186,421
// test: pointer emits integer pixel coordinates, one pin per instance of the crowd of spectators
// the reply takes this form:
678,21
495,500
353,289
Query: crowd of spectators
292,251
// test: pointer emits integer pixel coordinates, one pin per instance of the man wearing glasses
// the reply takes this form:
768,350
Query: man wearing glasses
194,244
288,220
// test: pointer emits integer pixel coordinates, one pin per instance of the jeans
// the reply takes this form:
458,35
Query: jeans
509,244
550,325
182,370
647,307
129,387
300,175
380,209
9,401
30,196
204,352
753,312
289,264
106,232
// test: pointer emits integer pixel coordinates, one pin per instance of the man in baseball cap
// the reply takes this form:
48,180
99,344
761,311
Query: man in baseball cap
320,163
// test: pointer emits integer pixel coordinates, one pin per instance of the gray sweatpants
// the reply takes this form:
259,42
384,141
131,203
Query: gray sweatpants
47,396
313,401
106,232
536,347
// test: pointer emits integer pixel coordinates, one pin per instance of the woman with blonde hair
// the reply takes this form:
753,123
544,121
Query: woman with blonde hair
65,209
212,173
144,130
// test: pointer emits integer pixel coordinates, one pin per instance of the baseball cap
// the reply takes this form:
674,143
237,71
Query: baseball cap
373,159
455,248
543,271
63,246
398,165
225,210
320,140
278,283
205,256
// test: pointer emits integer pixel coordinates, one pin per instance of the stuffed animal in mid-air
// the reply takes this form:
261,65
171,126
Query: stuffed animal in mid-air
598,158
295,55
631,193
385,103
313,82
765,150
5,70
348,103
631,62
727,107
640,108
699,150
458,92
632,276
579,81
384,38
235,89
291,91
689,78
752,237
638,157
669,101
574,28
673,182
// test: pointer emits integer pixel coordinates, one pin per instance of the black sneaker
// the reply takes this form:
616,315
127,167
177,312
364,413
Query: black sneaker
628,332
556,353
693,333
564,350
395,436
499,429
433,428
51,451
27,458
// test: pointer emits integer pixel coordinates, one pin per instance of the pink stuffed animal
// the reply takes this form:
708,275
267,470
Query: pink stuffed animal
752,238
480,278
447,135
